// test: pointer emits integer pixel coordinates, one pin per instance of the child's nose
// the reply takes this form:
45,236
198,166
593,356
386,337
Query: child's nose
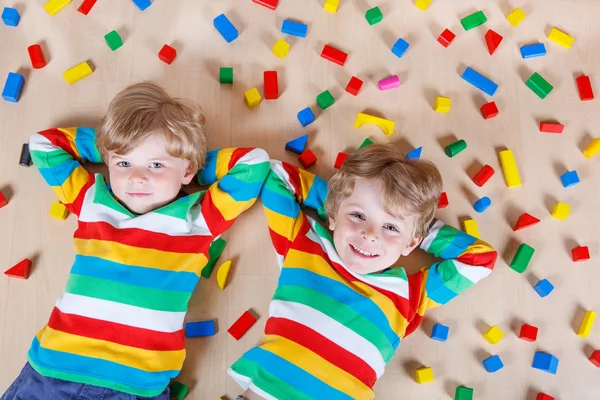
137,177
369,233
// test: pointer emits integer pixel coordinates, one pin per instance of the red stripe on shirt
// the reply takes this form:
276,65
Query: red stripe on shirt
294,177
486,260
281,243
75,206
236,156
212,215
59,139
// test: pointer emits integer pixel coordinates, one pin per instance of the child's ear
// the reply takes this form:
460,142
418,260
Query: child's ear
331,224
189,174
411,245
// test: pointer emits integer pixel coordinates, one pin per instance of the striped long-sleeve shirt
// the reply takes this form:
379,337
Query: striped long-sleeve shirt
119,323
330,331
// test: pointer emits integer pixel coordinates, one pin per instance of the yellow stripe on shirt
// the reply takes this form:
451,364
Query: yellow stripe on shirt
229,207
281,224
223,160
70,134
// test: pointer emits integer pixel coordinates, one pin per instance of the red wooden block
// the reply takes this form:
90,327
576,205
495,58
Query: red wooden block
307,159
271,85
443,201
492,39
551,127
524,221
528,332
167,54
489,110
580,253
483,175
3,200
334,55
585,88
241,326
86,6
21,270
595,358
354,86
36,55
339,160
271,4
544,396
446,38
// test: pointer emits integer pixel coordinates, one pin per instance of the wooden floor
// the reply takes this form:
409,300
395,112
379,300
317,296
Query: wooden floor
427,70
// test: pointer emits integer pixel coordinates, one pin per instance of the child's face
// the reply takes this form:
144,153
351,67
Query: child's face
366,237
148,177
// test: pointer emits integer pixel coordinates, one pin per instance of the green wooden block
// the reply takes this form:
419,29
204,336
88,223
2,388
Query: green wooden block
453,149
522,258
374,15
463,393
214,252
179,390
473,20
539,85
226,75
325,100
113,40
365,143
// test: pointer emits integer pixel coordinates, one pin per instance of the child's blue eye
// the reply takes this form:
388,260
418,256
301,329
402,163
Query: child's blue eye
156,165
391,228
124,164
358,215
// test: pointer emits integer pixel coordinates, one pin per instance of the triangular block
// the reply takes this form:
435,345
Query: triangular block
415,154
297,145
21,270
493,40
525,221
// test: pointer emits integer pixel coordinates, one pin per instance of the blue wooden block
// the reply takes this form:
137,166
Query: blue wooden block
306,117
545,362
544,288
12,87
142,4
225,28
479,81
294,28
297,145
201,328
569,179
440,332
533,50
400,47
414,154
482,204
493,364
11,16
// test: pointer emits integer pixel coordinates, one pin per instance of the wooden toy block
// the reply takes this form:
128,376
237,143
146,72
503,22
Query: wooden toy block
422,4
592,149
479,81
167,54
509,167
494,335
424,375
446,37
561,211
334,55
325,100
516,16
113,40
281,48
586,324
580,253
492,40
297,145
388,83
528,332
493,364
551,127
522,258
78,72
199,329
386,125
13,87
86,6
489,110
226,75
440,332
339,160
142,4
443,201
223,274
331,5
463,393
54,6
307,159
453,149
414,154
543,396
374,15
533,50
545,362
270,4
294,28
214,252
11,16
225,28
365,143
36,55
474,20
560,38
20,270
354,86
271,85
400,47
241,326
306,117
252,97
524,221
595,358
471,228
3,201
482,204
539,85
584,85
543,288
25,157
59,211
483,175
569,178
179,390
443,104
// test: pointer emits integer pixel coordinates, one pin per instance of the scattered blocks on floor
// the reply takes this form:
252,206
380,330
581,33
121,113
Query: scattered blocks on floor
482,204
331,5
592,149
543,288
471,228
545,362
522,258
13,87
54,6
479,81
270,4
199,329
214,252
223,274
440,332
580,253
297,145
59,211
533,50
388,83
78,72
334,55
560,38
20,270
528,332
374,15
294,28
86,6
586,325
167,54
400,47
492,40
36,55
463,393
525,221
241,326
365,143
225,28
281,48
113,40
561,211
443,201
339,160
494,335
271,85
543,396
307,159
569,179
446,37
252,97
516,16
539,85
11,16
306,117
386,125
354,86
509,167
595,358
489,110
25,157
584,85
3,201
424,375
551,127
453,149
422,4
142,4
226,75
483,175
414,154
493,364
325,100
443,104
179,390
474,20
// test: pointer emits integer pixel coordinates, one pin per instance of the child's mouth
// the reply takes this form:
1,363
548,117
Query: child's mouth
362,252
135,194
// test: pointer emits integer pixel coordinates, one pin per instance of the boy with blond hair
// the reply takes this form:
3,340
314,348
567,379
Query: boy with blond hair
342,304
117,331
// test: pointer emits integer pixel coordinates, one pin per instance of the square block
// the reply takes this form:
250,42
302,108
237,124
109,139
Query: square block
400,47
443,104
113,40
354,86
226,75
595,358
528,332
325,100
179,390
252,97
493,364
11,16
281,48
440,332
374,15
569,179
422,4
561,211
446,37
489,110
58,211
306,117
463,393
331,5
424,375
307,159
167,54
545,362
516,16
494,335
580,253
544,288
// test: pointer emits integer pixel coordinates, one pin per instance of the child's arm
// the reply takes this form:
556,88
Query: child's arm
58,154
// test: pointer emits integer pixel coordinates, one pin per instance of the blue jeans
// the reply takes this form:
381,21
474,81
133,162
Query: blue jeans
30,385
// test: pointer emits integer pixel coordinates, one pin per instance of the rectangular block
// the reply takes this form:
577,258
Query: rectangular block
559,37
241,326
592,149
585,88
463,393
271,85
509,166
142,4
334,55
78,72
226,75
294,28
586,324
516,16
54,6
479,81
13,87
422,4
86,6
388,83
270,4
225,28
474,20
471,228
551,127
533,50
331,5
200,329
522,258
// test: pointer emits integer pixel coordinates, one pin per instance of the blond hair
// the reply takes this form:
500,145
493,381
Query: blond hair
410,187
144,109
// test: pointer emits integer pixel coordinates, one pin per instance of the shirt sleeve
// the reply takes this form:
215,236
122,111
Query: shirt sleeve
58,154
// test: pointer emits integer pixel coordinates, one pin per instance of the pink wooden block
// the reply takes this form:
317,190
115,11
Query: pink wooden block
389,83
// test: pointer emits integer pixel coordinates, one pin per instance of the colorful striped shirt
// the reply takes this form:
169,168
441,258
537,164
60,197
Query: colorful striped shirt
330,331
119,323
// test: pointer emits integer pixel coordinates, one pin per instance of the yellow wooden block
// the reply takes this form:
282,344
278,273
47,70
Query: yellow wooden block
509,166
331,5
386,125
422,4
58,211
471,228
54,6
592,149
494,335
252,97
516,16
78,72
442,104
561,38
223,273
561,211
281,48
424,375
586,324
